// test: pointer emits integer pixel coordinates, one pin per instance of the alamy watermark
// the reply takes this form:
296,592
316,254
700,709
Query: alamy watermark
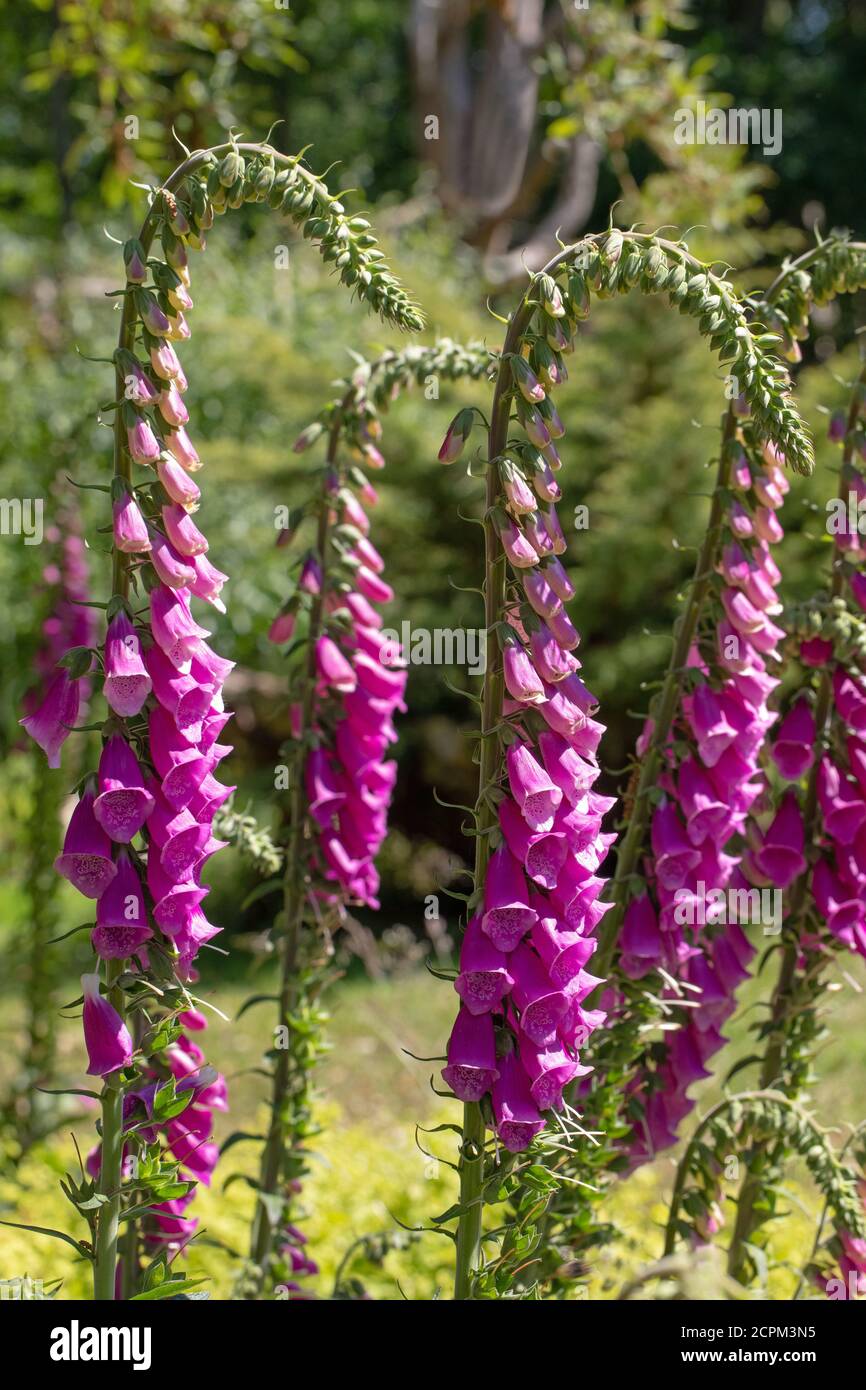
437,646
735,126
22,516
725,906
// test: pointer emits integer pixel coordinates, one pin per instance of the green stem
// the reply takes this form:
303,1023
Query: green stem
293,892
781,1003
105,1261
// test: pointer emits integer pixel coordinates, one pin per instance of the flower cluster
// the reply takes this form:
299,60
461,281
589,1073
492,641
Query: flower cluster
141,833
707,797
358,680
523,979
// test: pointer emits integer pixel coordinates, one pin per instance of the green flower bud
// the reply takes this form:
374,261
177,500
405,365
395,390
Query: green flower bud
231,169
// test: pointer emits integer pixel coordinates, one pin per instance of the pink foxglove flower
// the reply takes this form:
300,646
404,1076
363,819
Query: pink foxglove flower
86,859
51,724
106,1036
123,803
127,684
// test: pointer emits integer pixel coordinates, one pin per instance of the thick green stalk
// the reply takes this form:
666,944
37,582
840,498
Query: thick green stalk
105,1262
780,1006
293,893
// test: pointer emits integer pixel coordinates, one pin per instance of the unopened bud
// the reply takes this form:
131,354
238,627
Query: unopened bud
457,434
135,262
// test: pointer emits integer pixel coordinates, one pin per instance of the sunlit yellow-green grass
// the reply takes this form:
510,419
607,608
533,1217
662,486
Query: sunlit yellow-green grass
368,1174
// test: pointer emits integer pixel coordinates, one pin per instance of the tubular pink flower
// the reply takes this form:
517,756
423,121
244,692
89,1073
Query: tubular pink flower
51,724
471,1069
127,683
121,921
106,1037
516,1114
86,857
123,803
484,978
177,483
182,531
507,915
131,535
532,788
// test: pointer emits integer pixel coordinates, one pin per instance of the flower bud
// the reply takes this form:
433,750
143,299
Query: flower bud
135,261
164,361
143,443
525,380
457,435
231,170
153,318
551,297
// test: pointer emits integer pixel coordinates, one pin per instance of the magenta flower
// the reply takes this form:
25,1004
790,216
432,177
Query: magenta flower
842,805
173,626
180,447
540,593
177,483
127,684
282,628
131,535
515,1112
207,582
121,921
549,1069
542,1006
164,361
171,405
471,1069
106,1037
541,853
172,569
86,857
123,804
333,668
507,915
456,436
484,977
182,531
515,543
707,816
522,681
532,788
51,724
780,858
551,662
641,944
675,856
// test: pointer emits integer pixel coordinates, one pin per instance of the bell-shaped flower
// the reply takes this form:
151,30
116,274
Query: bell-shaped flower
123,803
471,1069
86,858
484,978
106,1036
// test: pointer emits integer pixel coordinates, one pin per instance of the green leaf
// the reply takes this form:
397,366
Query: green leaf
255,999
166,1290
47,1231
